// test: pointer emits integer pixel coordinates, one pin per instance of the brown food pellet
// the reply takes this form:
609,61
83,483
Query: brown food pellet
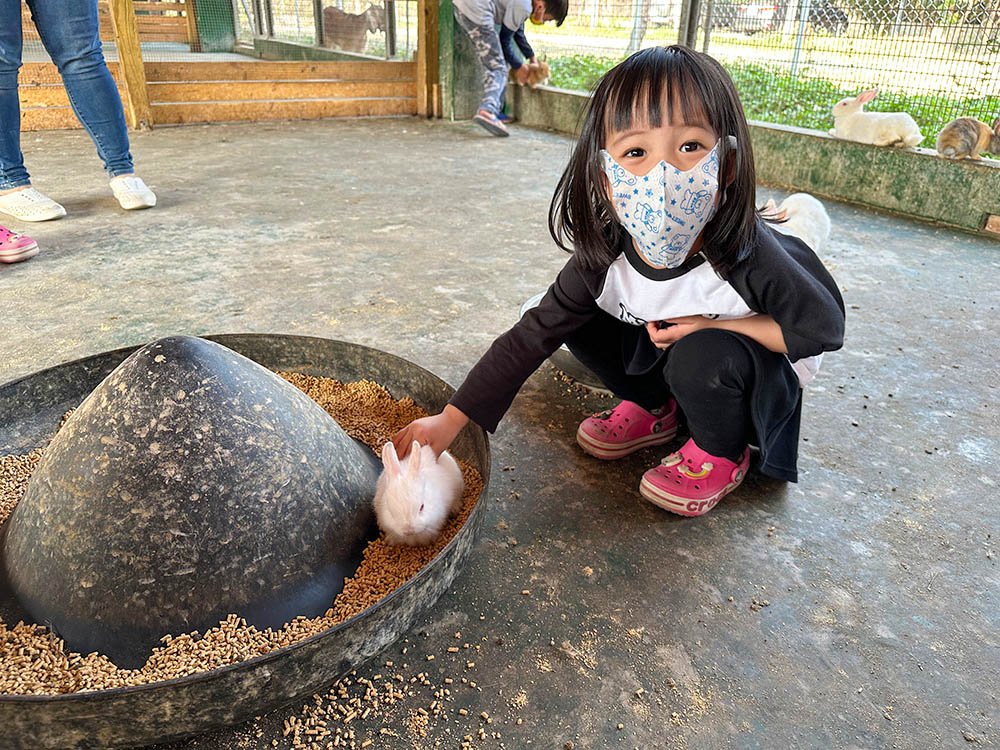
34,662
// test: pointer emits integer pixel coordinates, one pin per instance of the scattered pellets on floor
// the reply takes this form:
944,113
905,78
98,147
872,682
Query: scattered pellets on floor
34,662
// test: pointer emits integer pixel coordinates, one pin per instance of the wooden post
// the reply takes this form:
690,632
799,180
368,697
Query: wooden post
140,116
192,24
427,57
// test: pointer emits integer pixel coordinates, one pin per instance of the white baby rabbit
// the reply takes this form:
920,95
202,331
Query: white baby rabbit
852,123
414,497
806,218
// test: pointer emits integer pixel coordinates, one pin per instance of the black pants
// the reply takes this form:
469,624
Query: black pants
709,372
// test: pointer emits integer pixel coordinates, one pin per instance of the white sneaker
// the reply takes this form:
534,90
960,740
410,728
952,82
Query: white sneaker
132,192
30,205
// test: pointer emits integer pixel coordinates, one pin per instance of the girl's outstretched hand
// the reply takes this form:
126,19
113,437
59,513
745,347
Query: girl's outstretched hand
678,329
437,431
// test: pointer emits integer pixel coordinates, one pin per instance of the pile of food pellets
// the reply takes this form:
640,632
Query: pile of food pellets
34,662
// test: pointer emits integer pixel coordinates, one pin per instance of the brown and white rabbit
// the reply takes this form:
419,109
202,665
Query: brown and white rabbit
538,73
852,123
414,497
967,137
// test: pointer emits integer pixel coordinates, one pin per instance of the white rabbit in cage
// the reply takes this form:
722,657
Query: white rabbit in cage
852,123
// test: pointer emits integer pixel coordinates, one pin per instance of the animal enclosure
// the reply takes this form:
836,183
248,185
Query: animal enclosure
180,61
793,59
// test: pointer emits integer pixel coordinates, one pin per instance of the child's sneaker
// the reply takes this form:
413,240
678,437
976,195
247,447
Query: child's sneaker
132,192
690,482
627,428
16,247
489,121
30,205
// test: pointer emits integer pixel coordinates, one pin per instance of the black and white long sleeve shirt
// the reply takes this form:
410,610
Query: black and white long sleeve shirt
782,278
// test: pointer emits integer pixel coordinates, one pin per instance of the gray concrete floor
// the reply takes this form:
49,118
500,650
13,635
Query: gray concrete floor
879,568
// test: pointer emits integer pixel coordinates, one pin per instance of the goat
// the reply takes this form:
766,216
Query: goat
349,30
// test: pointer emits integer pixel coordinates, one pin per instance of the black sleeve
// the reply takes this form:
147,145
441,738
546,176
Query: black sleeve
506,45
522,43
784,279
491,385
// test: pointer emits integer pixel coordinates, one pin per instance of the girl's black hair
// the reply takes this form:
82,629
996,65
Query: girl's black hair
582,219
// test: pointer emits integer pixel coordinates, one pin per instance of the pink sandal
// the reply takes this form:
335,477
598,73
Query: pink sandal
16,247
690,482
627,428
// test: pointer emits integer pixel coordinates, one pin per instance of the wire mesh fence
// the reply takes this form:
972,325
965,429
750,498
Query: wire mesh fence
386,30
793,59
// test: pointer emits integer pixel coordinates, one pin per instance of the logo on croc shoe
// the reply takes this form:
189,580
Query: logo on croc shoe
702,506
705,469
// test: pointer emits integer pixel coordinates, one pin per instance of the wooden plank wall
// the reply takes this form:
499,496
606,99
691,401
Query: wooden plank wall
194,91
184,92
158,21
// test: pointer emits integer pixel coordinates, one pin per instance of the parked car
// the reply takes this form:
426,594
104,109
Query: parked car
823,15
746,17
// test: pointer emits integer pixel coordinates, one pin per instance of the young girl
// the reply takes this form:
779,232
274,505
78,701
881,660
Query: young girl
677,294
16,247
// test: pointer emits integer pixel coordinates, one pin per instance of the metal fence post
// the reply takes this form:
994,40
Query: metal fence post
318,20
390,28
800,35
708,25
687,28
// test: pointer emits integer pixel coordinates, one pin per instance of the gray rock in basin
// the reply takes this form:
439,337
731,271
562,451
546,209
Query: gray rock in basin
190,484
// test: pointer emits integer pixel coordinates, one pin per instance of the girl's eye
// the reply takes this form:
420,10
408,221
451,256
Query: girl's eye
637,153
690,146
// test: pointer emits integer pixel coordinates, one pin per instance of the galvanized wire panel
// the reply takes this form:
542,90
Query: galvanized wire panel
793,59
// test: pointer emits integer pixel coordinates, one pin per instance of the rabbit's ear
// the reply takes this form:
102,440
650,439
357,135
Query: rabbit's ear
390,460
866,96
996,126
414,467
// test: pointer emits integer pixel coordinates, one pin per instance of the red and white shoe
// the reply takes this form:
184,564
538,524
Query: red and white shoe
691,482
16,247
627,428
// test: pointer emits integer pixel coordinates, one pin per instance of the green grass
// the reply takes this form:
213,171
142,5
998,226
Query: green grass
770,94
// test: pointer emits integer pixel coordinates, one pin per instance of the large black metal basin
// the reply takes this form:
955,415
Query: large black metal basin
30,411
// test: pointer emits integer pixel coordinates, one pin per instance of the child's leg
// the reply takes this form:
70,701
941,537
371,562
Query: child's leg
711,374
646,415
599,345
486,40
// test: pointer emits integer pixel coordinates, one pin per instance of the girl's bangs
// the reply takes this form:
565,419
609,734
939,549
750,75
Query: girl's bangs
643,86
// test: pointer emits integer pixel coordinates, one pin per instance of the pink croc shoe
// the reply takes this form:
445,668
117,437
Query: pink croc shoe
16,247
627,428
690,482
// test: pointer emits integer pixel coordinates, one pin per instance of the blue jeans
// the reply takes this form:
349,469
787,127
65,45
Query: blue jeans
69,31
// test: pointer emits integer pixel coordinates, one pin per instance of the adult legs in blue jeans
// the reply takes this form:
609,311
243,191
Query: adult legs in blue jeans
70,32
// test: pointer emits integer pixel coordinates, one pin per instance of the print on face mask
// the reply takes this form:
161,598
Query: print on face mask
664,210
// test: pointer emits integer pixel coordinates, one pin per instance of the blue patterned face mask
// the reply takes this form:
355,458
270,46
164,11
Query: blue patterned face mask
664,210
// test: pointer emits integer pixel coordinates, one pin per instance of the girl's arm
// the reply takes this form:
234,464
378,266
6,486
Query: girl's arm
760,328
437,431
493,382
